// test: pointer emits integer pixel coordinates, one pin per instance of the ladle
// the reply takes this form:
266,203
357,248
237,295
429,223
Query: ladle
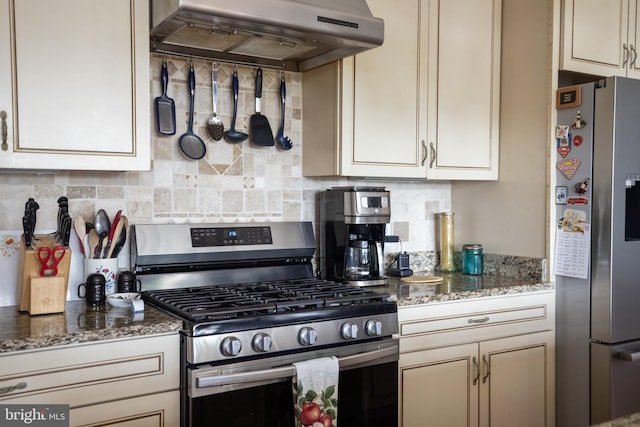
103,225
232,135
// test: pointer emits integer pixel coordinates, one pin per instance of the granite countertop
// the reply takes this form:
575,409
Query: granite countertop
78,324
456,286
21,331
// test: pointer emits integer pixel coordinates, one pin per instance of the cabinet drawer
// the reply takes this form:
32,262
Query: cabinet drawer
450,323
92,373
156,410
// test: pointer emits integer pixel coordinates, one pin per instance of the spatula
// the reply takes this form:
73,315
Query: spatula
261,133
165,107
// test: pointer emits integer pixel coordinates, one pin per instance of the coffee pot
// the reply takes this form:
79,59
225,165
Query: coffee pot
352,230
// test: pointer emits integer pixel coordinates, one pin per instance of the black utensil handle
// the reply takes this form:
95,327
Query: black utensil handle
259,83
283,89
192,92
165,78
26,227
235,86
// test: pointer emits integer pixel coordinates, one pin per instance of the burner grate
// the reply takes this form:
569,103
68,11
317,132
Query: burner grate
216,302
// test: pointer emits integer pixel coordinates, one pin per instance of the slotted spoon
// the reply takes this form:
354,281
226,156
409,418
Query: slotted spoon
214,125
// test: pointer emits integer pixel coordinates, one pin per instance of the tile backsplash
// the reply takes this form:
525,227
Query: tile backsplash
234,182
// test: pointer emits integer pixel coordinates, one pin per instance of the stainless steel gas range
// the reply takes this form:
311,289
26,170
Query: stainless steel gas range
251,307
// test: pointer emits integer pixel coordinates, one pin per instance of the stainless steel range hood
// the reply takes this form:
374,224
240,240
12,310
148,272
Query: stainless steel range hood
294,35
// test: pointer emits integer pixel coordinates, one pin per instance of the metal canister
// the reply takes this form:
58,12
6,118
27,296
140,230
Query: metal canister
472,262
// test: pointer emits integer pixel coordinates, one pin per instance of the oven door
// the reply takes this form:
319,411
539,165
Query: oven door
259,393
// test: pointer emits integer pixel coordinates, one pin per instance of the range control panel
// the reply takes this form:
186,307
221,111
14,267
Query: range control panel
230,236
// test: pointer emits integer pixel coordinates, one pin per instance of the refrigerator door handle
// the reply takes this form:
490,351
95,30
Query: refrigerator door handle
629,356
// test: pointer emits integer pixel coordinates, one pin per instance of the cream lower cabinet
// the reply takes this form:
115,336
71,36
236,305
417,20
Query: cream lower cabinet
132,382
496,371
423,105
74,84
601,40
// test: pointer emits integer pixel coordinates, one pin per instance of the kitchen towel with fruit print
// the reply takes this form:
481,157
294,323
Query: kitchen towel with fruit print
315,392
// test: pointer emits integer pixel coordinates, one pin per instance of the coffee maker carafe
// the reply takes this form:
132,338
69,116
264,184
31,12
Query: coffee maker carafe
352,230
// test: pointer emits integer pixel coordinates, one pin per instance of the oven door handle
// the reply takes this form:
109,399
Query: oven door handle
286,372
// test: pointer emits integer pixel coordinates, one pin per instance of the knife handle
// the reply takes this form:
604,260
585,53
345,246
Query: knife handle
27,231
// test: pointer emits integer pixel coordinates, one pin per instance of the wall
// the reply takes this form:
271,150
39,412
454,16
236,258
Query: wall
234,182
509,216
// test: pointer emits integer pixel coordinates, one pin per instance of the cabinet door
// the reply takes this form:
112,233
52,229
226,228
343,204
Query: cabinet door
634,40
439,387
517,381
79,76
464,89
6,106
594,36
381,97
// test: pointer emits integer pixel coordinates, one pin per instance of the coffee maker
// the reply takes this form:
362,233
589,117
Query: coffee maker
352,230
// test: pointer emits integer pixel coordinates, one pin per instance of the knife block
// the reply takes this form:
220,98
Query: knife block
42,295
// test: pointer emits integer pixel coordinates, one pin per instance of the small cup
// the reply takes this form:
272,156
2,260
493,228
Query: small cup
127,282
94,290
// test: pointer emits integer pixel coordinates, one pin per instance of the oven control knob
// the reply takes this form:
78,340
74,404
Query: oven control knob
231,346
262,342
349,331
307,336
373,327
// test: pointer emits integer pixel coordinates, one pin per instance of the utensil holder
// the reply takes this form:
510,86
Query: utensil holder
108,267
35,295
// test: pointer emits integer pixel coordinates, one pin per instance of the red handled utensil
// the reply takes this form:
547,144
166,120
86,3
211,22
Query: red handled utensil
49,260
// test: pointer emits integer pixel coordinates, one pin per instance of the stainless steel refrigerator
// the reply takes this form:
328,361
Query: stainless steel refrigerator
597,254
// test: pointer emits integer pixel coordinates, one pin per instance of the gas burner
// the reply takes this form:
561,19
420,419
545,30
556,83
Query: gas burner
218,302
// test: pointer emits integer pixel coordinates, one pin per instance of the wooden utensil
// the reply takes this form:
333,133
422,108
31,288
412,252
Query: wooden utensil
81,230
94,241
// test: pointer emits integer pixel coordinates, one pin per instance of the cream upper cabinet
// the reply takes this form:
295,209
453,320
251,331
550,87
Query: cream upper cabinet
464,89
74,84
362,114
485,362
382,112
600,39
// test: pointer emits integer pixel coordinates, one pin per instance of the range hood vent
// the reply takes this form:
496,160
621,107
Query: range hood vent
294,35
